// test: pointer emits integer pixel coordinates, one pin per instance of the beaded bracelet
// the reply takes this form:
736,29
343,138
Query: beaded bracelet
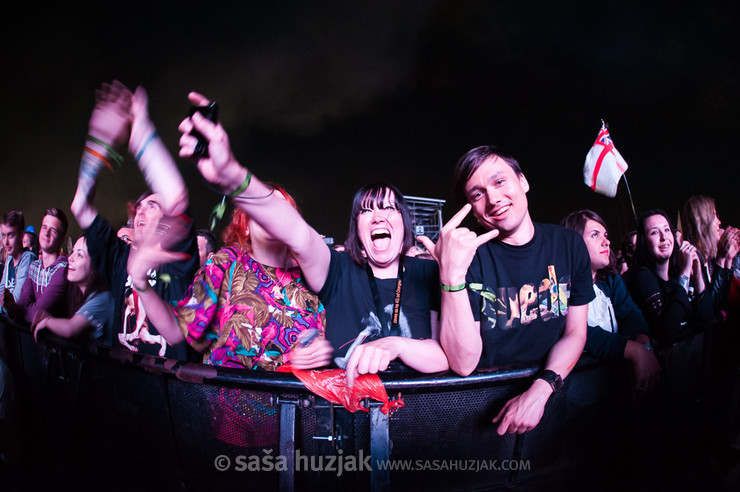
453,288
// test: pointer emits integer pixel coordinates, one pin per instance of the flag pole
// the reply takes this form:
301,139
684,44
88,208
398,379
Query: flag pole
634,214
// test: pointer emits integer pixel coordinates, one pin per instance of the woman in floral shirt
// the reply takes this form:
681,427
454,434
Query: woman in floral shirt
247,305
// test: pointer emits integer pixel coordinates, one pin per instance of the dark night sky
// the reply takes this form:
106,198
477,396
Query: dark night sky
326,96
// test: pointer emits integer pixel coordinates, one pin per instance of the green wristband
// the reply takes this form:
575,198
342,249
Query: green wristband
118,158
452,288
146,287
243,186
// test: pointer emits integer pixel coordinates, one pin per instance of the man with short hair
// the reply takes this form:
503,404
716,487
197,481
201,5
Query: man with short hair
207,244
17,260
46,286
521,298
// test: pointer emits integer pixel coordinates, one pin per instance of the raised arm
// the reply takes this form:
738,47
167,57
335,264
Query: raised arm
460,333
108,128
257,199
154,160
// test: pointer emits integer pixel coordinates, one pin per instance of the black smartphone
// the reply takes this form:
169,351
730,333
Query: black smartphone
211,112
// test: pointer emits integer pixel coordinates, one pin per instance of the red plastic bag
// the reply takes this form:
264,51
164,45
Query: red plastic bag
331,384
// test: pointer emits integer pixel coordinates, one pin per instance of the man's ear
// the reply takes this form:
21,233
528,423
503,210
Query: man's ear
523,181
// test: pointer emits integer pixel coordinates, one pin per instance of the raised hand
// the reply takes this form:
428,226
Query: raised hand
219,167
686,255
728,245
456,247
149,251
111,117
141,125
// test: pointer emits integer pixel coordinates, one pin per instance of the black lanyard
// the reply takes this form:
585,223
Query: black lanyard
394,329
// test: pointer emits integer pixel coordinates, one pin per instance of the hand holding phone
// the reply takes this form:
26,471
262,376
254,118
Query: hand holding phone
211,112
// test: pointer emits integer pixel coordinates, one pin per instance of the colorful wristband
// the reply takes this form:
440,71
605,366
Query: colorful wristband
242,187
452,288
118,158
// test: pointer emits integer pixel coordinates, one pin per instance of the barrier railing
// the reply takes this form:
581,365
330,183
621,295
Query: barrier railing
89,414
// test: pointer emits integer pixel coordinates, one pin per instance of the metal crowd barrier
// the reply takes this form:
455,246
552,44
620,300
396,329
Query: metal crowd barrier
93,417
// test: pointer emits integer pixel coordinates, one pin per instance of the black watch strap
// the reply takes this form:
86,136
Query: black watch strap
556,382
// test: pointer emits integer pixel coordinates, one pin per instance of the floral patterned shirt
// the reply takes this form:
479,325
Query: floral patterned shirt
240,313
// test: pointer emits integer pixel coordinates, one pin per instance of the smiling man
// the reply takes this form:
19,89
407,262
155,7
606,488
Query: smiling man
515,294
46,287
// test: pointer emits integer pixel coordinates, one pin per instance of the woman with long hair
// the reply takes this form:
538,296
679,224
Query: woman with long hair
716,248
90,303
616,327
248,304
666,282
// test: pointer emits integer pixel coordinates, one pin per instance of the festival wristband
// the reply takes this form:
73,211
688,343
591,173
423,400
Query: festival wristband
146,144
684,281
242,187
453,288
118,158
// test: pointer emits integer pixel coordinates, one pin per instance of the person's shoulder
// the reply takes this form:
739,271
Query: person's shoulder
227,255
426,265
61,261
556,231
29,257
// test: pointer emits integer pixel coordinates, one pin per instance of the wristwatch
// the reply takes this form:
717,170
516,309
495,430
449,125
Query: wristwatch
553,378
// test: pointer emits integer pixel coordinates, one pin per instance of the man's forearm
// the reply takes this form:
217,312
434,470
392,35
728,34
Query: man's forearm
460,334
161,173
566,351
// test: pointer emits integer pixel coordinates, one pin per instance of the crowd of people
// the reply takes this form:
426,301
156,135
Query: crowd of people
270,292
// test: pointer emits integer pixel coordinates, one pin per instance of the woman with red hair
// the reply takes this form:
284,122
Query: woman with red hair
247,305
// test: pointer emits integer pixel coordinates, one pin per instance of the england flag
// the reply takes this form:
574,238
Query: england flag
604,165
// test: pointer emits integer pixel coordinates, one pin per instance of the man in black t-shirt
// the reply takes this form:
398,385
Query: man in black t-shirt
120,116
521,298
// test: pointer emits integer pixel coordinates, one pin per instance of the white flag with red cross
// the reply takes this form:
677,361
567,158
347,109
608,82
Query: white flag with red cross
604,165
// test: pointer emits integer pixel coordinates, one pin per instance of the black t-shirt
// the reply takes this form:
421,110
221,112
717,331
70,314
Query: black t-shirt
109,256
521,294
350,306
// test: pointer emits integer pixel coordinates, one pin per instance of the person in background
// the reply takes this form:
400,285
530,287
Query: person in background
207,244
617,328
666,281
716,248
90,303
17,260
46,286
31,240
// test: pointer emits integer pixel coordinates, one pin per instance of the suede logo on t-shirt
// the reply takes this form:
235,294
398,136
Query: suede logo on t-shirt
509,307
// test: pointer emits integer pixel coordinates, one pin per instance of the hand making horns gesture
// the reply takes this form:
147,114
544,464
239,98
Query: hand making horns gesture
456,247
